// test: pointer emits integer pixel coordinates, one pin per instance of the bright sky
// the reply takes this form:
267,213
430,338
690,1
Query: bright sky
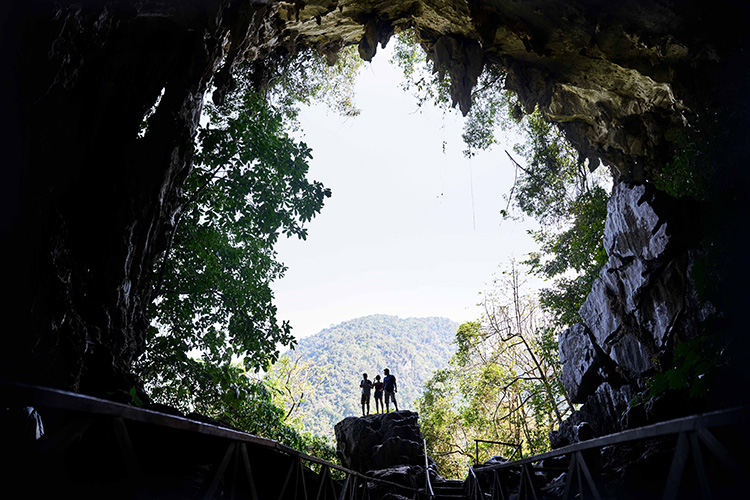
410,230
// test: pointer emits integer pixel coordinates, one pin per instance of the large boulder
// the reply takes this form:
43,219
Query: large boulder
385,445
641,305
379,441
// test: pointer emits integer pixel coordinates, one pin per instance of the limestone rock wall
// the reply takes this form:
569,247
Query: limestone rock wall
641,305
616,76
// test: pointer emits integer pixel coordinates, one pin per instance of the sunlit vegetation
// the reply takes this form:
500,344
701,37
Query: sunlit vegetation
501,384
325,369
214,320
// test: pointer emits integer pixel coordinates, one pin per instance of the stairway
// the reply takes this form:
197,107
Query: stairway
449,490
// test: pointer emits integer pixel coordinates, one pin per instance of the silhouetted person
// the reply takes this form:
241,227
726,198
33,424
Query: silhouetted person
378,386
366,385
390,388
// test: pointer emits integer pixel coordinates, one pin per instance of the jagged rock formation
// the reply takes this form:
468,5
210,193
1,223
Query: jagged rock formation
615,76
641,305
387,446
89,205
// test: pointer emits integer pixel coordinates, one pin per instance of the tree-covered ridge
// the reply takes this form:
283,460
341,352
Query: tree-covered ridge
412,348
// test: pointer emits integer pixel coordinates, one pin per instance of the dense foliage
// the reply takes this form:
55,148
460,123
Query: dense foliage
501,384
247,188
570,202
213,315
333,360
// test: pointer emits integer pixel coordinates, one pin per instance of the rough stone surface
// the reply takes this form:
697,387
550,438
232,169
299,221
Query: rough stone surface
634,229
601,310
379,441
387,446
644,289
632,356
642,304
614,76
603,412
581,364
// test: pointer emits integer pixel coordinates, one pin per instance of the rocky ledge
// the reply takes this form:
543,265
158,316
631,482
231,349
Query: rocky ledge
386,446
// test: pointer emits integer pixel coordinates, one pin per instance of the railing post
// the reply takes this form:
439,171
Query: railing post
249,472
427,483
678,465
209,490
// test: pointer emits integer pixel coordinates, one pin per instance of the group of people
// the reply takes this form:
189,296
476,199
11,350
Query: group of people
387,387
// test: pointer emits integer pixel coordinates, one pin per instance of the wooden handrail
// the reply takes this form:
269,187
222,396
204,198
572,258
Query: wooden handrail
675,426
31,395
690,430
427,482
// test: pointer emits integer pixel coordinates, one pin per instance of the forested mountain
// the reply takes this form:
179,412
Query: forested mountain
412,348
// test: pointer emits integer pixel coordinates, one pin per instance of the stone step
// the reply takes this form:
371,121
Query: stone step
449,490
448,484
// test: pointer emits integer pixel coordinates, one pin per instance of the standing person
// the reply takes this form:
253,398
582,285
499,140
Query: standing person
378,386
366,385
389,385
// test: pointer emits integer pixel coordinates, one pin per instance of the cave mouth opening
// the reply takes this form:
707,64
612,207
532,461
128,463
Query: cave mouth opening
640,86
414,226
623,85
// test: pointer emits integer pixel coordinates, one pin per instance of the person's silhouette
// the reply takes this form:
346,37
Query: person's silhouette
378,386
366,385
389,385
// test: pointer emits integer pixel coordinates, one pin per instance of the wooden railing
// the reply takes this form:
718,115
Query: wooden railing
515,446
693,436
427,483
93,448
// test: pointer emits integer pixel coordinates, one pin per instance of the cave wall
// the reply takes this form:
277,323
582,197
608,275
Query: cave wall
88,206
94,196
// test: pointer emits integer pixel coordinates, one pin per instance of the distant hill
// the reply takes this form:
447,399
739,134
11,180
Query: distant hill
411,348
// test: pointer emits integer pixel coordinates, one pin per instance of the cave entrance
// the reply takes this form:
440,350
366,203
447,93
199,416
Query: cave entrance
414,226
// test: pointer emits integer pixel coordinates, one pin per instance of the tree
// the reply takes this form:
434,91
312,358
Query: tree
214,295
213,300
501,384
213,317
570,202
294,382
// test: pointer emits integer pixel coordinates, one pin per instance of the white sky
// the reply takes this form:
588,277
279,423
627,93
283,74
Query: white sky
401,234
